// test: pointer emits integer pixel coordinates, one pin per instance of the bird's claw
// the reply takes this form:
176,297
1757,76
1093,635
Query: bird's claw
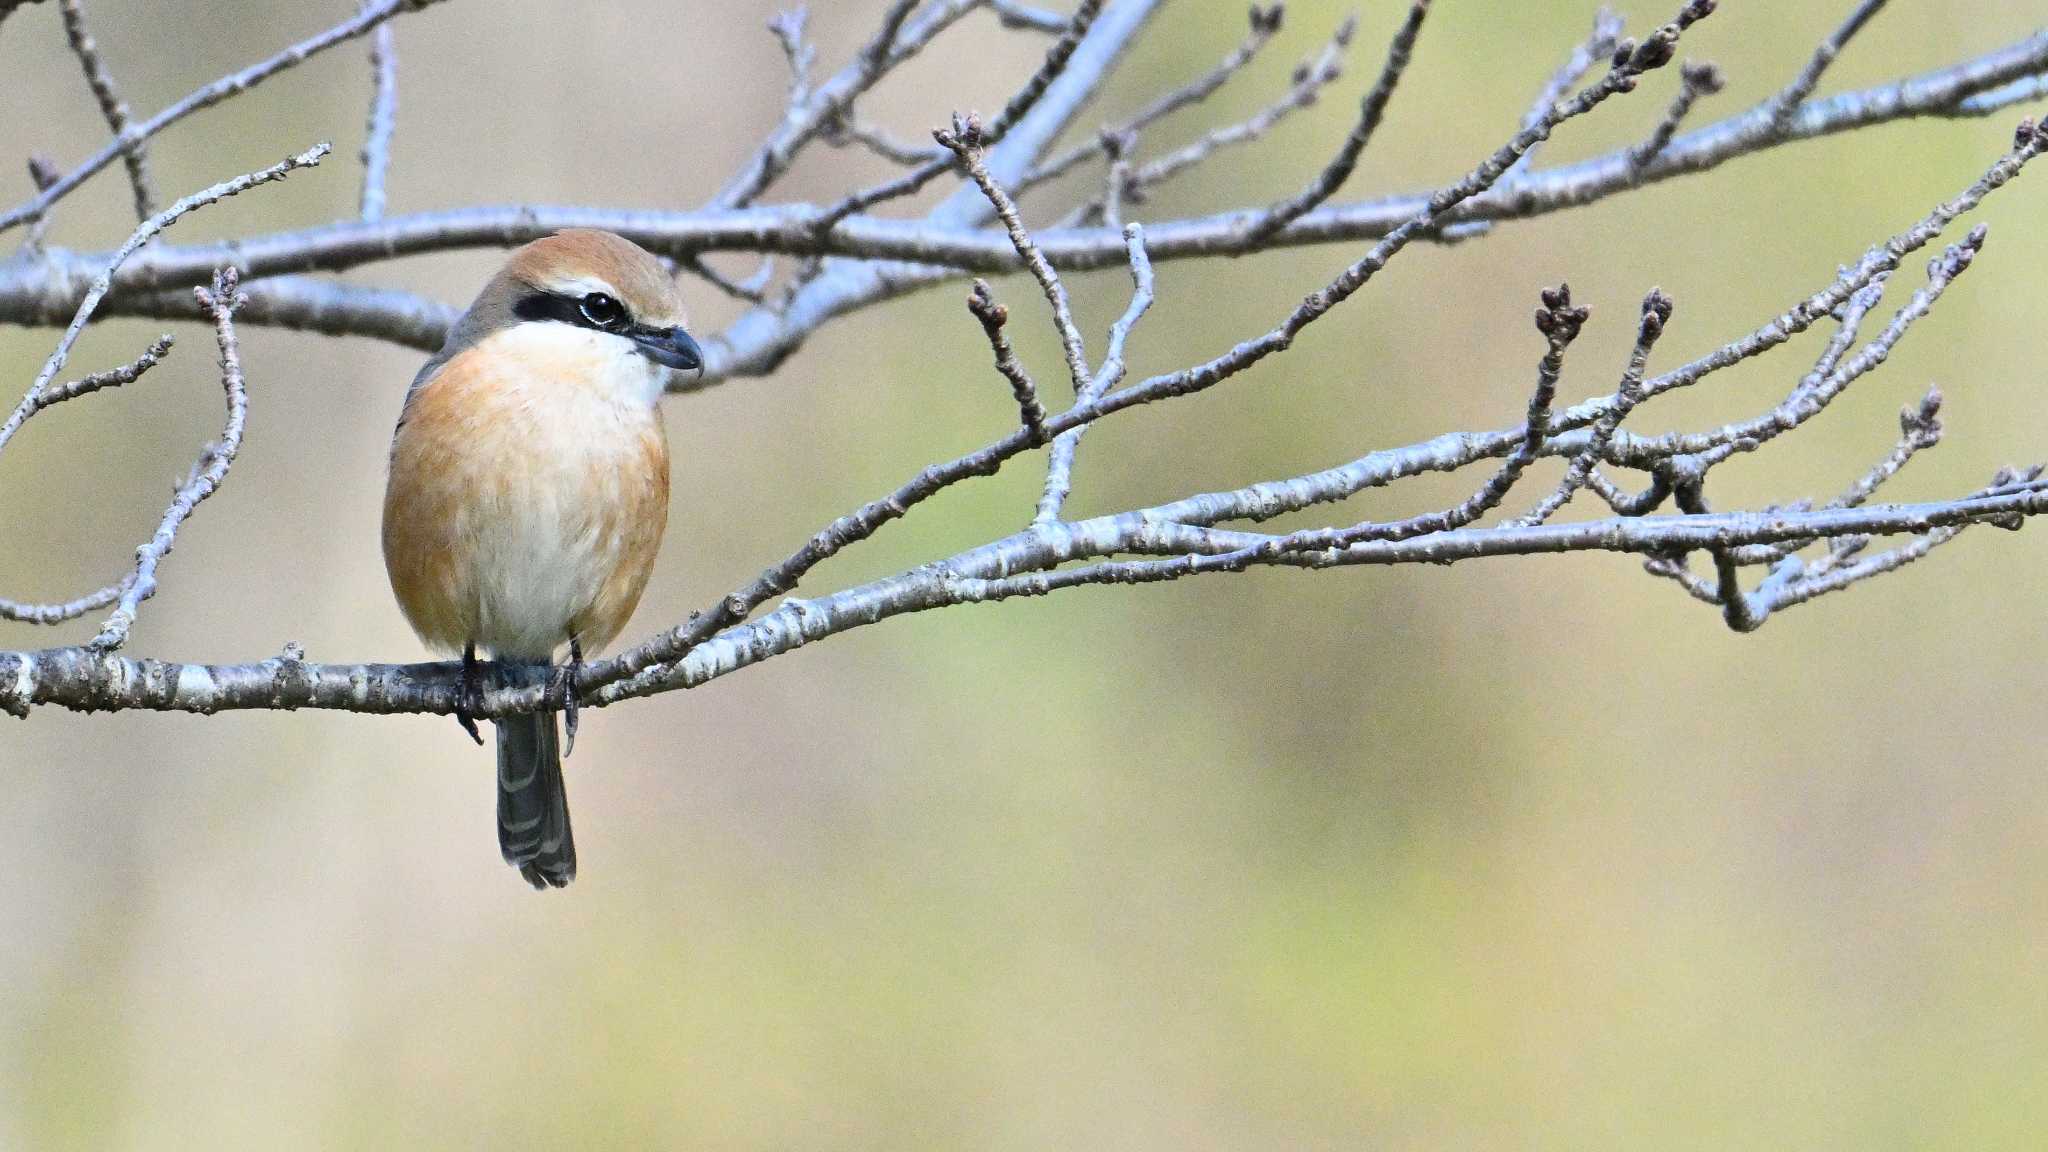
571,672
469,695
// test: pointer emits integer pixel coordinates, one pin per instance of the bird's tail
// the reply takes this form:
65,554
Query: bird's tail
533,807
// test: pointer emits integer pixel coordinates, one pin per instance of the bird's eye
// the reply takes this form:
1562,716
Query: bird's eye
603,311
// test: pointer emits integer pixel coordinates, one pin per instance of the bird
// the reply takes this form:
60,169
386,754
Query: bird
528,492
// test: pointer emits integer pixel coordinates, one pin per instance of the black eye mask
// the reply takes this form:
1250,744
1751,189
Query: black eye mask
669,347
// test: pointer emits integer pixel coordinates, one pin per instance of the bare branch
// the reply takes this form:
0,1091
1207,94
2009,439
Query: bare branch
824,106
1056,60
1017,15
930,250
206,477
1371,111
127,373
1656,314
149,228
1919,429
788,28
880,142
1059,469
133,152
81,679
1559,322
1630,63
41,395
847,260
1117,178
993,317
374,14
1781,107
1265,24
642,662
1814,393
1695,81
27,613
1597,46
968,141
1309,80
376,154
42,172
753,290
1850,293
30,613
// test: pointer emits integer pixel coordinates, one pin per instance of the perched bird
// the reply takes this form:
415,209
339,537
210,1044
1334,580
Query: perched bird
528,493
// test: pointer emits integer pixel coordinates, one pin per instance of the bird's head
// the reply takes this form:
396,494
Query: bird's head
592,291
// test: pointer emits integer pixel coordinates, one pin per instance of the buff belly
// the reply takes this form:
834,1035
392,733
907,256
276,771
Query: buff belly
527,500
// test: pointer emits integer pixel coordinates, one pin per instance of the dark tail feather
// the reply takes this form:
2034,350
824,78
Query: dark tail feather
533,807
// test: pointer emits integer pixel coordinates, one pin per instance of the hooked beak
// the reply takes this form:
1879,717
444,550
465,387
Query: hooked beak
670,347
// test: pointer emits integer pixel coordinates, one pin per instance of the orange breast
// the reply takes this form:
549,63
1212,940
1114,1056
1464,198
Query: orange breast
527,498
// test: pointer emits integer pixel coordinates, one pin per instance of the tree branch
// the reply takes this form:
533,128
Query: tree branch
133,153
383,120
850,260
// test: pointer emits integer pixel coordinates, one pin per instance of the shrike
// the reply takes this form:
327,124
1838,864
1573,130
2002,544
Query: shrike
529,491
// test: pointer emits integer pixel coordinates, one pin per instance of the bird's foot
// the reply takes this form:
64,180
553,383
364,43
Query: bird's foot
469,695
570,673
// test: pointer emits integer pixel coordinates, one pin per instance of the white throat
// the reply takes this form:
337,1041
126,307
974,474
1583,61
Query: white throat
611,365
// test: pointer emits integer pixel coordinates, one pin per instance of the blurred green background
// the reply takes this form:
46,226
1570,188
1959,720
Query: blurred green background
1524,853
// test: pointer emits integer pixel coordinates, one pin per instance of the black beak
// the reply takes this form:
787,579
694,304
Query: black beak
671,347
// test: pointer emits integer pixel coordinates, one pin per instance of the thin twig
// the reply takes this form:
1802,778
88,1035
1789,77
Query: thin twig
1020,103
42,172
1059,469
127,373
1306,87
1656,314
933,250
753,290
1815,392
1695,80
1265,22
1920,428
1853,291
383,120
1116,179
32,613
826,104
1014,14
1781,107
29,613
134,154
220,303
1630,63
969,141
1596,47
881,142
788,28
1371,110
232,84
1030,411
141,235
1560,321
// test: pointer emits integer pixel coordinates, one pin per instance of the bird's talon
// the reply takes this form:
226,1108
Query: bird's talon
470,695
570,674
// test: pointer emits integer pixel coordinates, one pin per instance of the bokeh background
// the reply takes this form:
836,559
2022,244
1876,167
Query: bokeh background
1523,853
